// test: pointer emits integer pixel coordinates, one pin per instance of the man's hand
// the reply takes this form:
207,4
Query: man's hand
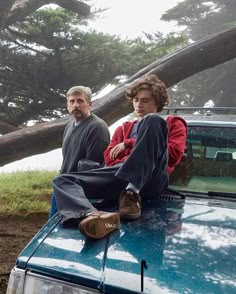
117,150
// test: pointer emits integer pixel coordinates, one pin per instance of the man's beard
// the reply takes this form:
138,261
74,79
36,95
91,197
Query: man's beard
77,113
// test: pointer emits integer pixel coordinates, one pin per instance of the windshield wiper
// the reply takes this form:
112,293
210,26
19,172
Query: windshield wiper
176,192
201,195
222,194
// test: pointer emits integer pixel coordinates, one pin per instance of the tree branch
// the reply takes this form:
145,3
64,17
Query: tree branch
5,7
12,11
7,128
173,68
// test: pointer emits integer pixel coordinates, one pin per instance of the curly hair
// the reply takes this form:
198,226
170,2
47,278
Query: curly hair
155,85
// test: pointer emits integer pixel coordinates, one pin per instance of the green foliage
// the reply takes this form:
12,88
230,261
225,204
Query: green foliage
26,192
52,50
201,18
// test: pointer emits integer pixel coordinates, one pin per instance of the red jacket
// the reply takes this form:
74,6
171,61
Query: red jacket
177,135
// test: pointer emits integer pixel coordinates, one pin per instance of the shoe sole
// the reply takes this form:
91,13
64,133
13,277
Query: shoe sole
101,225
130,216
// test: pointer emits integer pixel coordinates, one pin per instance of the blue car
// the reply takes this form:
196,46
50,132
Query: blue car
185,241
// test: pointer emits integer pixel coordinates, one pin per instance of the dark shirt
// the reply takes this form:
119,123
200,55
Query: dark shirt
133,133
87,140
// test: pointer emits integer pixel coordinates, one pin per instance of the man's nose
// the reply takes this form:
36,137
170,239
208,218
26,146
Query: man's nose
76,104
139,103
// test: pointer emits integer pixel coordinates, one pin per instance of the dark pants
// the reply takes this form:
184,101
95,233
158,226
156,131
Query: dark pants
53,209
145,168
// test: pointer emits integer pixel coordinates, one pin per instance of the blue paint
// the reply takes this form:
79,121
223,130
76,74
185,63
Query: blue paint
189,247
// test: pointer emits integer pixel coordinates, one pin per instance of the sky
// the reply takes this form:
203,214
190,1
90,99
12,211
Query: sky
130,18
123,18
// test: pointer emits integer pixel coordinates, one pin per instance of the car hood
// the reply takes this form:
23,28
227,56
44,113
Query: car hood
187,247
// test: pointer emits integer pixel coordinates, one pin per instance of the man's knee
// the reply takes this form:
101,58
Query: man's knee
57,181
153,120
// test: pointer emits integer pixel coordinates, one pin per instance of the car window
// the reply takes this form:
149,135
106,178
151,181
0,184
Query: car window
209,163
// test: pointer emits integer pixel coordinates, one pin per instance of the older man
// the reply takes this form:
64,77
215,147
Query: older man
85,138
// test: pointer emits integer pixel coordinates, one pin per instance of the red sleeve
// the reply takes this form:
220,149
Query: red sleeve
177,137
120,135
116,139
130,142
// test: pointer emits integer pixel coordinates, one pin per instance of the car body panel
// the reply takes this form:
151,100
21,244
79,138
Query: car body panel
36,241
188,245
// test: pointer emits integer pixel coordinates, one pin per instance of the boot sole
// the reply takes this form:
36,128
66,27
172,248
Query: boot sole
100,226
130,216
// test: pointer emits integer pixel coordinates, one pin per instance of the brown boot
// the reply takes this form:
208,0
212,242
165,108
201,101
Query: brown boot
99,224
130,205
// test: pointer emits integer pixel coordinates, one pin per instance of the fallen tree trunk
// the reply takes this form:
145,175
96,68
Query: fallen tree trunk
171,69
14,10
204,54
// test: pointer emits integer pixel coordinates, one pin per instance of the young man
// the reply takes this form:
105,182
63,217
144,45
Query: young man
144,102
146,99
138,166
85,138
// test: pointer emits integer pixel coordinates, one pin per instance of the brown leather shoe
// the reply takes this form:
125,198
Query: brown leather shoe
99,224
130,205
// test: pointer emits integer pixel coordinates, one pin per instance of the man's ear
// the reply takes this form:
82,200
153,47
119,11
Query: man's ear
90,103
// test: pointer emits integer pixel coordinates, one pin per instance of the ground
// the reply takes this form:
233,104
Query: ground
15,233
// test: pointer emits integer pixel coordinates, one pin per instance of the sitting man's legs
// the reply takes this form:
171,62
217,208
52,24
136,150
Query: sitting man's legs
145,169
74,206
53,209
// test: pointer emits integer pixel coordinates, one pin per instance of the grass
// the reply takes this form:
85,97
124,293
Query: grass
24,193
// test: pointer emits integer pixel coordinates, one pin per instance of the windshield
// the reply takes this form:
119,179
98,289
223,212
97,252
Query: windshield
209,163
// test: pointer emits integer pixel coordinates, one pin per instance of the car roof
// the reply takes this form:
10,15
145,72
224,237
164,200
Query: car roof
204,116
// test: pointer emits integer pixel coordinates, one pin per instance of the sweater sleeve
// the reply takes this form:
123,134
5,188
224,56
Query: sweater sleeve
130,142
97,141
116,139
176,142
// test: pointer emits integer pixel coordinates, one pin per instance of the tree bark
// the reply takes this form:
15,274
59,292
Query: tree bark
14,10
204,54
5,7
31,140
7,128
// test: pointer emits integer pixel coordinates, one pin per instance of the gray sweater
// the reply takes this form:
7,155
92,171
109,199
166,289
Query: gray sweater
88,140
